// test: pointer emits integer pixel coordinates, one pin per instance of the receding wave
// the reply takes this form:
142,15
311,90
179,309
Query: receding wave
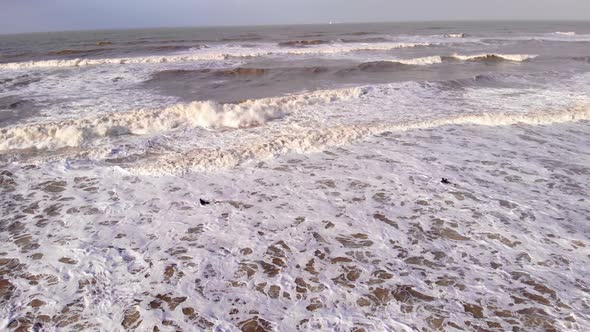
206,114
312,140
211,55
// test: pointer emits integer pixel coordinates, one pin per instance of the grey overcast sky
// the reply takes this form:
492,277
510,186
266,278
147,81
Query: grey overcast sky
51,15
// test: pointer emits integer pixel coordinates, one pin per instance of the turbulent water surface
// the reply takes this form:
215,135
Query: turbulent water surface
321,150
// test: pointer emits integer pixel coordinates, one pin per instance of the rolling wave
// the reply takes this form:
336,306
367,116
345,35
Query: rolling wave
437,59
206,114
282,72
424,61
313,140
493,57
210,55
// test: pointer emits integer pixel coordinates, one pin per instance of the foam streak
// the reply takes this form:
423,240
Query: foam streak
319,139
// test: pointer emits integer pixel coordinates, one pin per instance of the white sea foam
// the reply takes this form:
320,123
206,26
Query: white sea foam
455,35
346,48
361,231
206,114
567,36
363,236
567,33
111,61
436,59
424,61
312,140
222,53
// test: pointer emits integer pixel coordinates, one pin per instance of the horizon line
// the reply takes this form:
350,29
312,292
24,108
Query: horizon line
289,24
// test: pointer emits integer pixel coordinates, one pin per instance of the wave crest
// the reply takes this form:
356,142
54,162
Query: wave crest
566,33
424,61
494,57
210,55
455,35
436,59
206,114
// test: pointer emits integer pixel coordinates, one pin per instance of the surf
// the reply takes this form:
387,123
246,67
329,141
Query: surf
204,114
217,54
316,140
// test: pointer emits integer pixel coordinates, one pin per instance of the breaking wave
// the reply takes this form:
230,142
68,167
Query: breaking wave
436,59
313,140
430,60
306,72
567,33
206,114
455,35
212,56
209,55
493,57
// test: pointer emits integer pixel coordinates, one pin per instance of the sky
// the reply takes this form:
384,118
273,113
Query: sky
56,15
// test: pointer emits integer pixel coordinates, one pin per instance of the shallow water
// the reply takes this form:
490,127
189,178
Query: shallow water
363,236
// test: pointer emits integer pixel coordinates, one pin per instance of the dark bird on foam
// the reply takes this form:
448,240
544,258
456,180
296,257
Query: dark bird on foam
445,181
204,202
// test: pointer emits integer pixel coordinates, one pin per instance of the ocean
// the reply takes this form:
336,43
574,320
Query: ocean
288,178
